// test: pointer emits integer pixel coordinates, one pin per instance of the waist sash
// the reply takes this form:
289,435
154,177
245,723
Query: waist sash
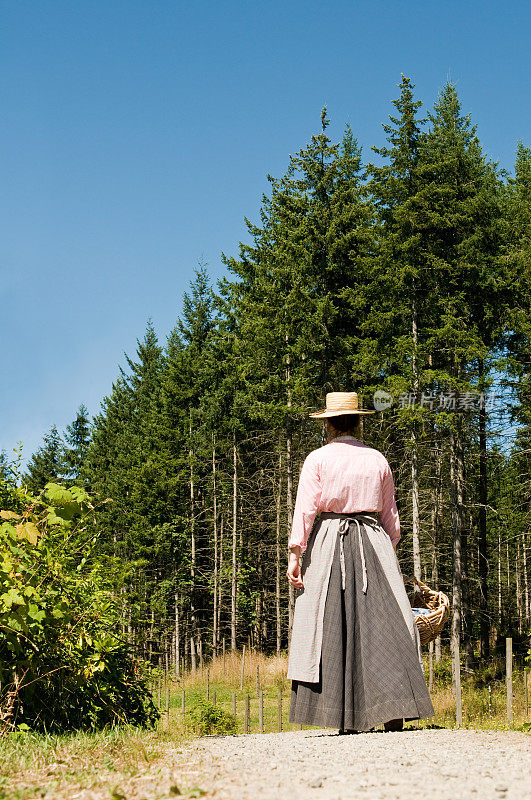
370,519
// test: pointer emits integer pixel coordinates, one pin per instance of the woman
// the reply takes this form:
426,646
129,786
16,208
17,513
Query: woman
354,657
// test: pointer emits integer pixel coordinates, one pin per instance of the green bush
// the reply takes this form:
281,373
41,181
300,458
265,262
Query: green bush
442,671
204,719
62,664
487,674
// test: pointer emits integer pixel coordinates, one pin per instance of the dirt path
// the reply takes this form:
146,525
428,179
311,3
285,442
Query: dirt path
320,765
312,764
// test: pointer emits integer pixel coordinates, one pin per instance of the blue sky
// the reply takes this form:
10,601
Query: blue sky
135,136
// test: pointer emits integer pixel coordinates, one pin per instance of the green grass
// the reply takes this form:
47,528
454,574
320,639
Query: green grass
40,765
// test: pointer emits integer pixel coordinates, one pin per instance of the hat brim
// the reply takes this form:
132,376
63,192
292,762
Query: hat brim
324,413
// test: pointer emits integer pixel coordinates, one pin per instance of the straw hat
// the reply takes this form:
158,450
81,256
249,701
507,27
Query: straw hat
338,403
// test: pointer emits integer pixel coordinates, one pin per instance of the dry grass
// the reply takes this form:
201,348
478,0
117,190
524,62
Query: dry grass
226,671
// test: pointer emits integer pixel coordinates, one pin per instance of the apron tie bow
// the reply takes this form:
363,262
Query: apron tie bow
343,530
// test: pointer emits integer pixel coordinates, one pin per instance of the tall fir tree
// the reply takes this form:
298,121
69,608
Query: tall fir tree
77,440
395,351
459,211
47,463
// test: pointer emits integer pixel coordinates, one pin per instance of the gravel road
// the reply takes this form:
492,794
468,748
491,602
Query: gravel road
319,764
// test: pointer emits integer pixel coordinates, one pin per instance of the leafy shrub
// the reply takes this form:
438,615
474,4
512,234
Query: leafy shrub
204,719
62,666
442,671
490,673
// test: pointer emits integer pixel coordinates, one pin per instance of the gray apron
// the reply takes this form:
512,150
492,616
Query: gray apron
307,630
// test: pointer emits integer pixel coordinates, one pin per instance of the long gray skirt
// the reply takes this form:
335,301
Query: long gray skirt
369,671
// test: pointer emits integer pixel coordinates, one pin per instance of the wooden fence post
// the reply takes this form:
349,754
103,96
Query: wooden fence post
214,698
457,683
234,703
257,680
526,694
243,668
279,709
509,677
159,694
430,667
261,711
224,655
246,714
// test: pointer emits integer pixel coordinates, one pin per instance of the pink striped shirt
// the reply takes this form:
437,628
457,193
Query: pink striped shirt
344,476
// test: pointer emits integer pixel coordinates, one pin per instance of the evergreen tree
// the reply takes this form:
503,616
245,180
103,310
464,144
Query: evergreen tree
518,349
394,349
4,466
460,212
47,463
188,397
121,463
77,438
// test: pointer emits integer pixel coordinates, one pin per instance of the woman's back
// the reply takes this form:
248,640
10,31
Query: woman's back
344,476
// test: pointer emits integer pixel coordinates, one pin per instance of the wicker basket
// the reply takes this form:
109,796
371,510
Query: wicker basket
429,625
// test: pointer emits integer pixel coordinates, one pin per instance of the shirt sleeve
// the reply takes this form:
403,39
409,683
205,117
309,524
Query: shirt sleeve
306,503
389,513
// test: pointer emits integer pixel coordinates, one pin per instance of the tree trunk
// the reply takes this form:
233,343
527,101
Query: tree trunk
259,597
508,562
234,544
177,636
186,636
193,618
220,581
435,526
518,588
215,632
466,597
151,634
278,556
289,505
483,564
526,578
457,481
289,478
415,521
440,506
500,606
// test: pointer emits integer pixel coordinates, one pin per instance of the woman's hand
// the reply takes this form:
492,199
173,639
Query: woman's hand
294,569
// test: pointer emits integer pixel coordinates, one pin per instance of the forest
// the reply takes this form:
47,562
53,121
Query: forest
406,276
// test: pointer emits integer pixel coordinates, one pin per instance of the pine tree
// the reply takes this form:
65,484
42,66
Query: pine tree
122,465
4,466
395,348
77,438
459,211
47,463
188,390
518,349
